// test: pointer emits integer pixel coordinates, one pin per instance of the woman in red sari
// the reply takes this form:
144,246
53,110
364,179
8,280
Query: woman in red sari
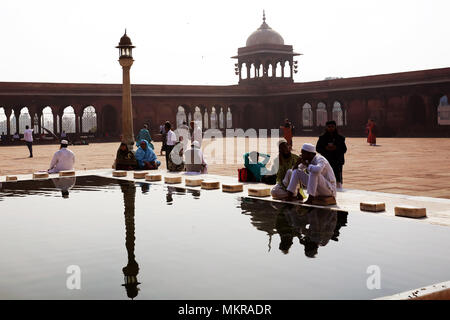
371,131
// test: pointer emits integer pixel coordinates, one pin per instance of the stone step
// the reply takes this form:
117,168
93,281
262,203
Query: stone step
372,206
410,211
40,175
234,187
193,182
139,174
119,173
172,179
153,177
67,173
258,192
210,185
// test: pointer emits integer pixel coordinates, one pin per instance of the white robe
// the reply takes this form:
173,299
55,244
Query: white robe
63,159
320,180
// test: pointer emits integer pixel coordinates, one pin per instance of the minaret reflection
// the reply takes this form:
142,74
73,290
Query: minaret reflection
131,270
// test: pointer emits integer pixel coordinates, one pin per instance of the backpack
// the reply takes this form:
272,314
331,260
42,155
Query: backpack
244,175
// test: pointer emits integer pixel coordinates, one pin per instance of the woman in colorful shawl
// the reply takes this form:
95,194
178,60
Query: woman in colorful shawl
371,131
144,134
146,157
125,159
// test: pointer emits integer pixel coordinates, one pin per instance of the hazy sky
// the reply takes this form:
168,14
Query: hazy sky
191,42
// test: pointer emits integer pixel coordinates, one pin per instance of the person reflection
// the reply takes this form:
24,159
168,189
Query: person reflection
145,187
64,184
131,270
313,227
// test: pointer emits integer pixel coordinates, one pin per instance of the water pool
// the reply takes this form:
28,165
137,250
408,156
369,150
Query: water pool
150,241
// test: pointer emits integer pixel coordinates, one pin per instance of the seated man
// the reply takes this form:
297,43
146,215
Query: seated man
258,169
146,157
125,159
194,160
176,163
319,178
63,159
283,164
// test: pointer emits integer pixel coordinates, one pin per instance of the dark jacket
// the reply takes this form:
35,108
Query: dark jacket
336,156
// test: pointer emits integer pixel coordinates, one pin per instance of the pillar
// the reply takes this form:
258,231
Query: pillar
8,113
127,108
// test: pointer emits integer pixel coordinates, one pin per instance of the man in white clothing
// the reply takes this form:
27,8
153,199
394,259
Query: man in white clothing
171,140
28,137
64,159
319,177
194,160
196,133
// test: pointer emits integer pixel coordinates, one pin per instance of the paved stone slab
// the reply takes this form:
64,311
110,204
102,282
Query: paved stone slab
139,174
258,192
67,173
372,206
410,211
172,179
40,175
119,173
209,184
153,177
193,182
237,187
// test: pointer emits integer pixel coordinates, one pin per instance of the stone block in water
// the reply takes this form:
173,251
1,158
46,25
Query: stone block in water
259,192
193,182
139,174
40,175
11,178
372,206
119,173
209,185
172,179
410,211
153,177
232,187
67,173
324,201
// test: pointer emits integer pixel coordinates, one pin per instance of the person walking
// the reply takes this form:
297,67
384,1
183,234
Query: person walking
171,140
371,131
332,146
28,137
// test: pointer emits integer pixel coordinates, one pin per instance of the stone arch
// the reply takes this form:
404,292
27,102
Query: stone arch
89,120
321,114
198,116
229,118
221,119
68,120
338,114
213,118
416,110
205,119
13,123
244,71
181,116
443,111
109,121
47,118
307,115
3,121
24,119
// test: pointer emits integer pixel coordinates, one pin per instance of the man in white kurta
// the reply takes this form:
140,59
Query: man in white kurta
64,159
319,178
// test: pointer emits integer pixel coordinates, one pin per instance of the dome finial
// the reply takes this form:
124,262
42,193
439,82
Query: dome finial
125,31
264,15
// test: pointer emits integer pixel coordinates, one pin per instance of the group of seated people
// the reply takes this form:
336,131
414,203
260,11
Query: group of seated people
190,160
291,172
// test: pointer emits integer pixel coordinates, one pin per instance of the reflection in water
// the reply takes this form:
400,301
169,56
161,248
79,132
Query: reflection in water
131,270
313,227
64,184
